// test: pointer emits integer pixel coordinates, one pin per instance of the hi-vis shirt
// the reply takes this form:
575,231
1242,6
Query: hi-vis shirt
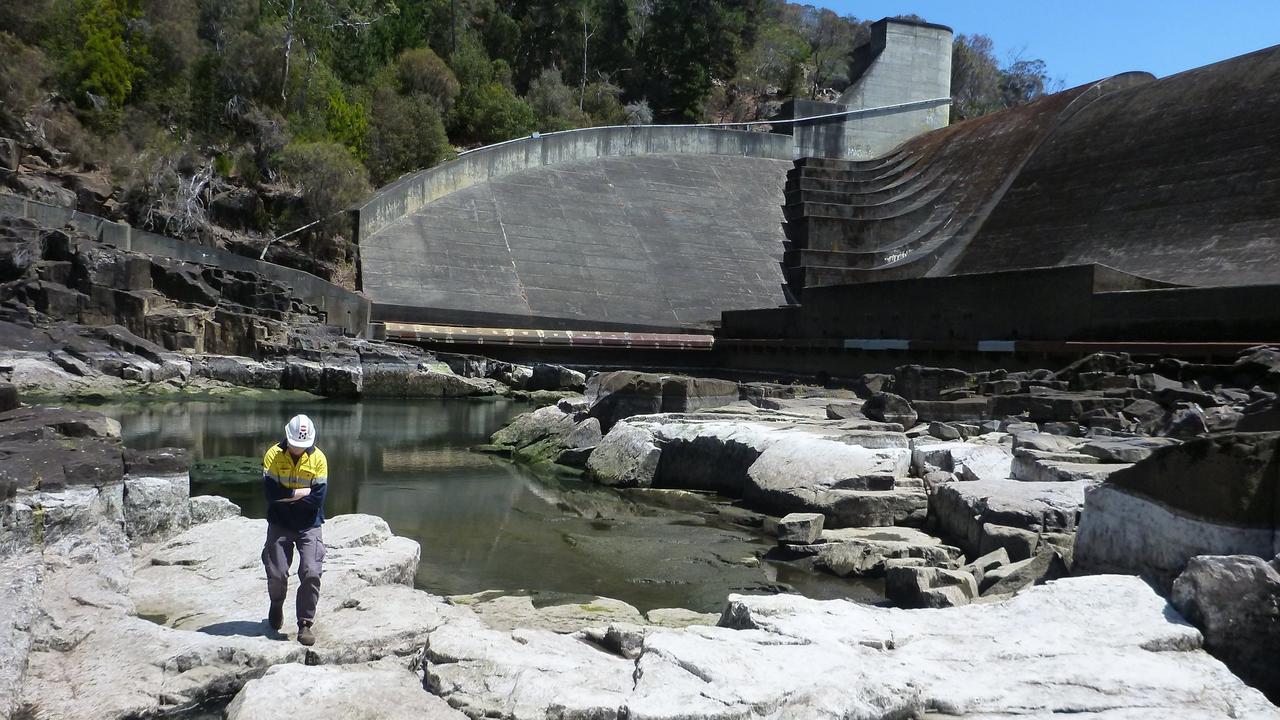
281,475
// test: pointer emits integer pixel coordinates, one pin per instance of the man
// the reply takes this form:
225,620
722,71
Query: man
294,478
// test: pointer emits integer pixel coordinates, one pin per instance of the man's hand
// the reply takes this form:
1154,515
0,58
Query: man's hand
296,496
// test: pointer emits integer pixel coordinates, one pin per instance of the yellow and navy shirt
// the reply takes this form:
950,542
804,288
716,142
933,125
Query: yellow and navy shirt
281,475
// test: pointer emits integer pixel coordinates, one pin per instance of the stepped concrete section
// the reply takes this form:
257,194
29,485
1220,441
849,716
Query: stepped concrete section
643,240
1177,180
905,214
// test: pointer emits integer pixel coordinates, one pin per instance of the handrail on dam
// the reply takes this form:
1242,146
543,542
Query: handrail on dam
902,107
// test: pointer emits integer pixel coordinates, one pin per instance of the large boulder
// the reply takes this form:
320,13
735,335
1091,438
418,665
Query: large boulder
614,396
851,486
626,457
929,587
962,510
49,449
210,508
890,408
1209,496
871,551
916,382
555,377
408,380
682,394
156,506
1235,601
545,434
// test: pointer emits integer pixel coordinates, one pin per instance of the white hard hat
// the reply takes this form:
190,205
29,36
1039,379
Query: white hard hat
300,432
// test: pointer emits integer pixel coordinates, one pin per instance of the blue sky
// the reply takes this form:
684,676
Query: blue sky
1086,40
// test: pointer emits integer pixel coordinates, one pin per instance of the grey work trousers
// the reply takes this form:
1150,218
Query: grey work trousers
277,556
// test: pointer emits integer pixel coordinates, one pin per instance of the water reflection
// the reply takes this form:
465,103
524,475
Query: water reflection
483,523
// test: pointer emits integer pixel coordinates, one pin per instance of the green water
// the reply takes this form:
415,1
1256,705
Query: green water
483,523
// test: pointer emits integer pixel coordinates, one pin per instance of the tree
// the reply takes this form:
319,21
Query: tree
406,133
980,86
975,77
1022,81
422,71
612,44
328,176
675,49
601,102
312,22
554,104
102,65
833,39
487,109
347,122
775,56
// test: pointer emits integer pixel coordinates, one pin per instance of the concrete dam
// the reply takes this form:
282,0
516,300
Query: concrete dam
645,228
1158,199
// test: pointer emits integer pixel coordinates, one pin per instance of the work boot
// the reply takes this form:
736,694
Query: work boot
275,616
305,636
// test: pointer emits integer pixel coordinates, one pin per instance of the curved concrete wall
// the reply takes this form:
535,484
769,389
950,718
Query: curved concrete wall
1177,179
411,192
641,228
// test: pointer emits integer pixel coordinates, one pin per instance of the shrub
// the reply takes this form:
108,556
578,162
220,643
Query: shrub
348,123
601,102
421,71
101,66
406,134
639,113
329,178
22,71
553,102
497,115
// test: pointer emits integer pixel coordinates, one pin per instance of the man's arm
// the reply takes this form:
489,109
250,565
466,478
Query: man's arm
313,496
273,491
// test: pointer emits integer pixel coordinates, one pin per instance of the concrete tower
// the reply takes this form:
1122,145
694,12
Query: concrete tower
903,62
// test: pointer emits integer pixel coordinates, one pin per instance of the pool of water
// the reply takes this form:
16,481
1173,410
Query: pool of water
483,523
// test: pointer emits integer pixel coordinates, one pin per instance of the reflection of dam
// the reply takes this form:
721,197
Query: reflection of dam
417,459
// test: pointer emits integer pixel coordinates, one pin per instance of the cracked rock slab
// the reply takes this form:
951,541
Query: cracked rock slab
1104,646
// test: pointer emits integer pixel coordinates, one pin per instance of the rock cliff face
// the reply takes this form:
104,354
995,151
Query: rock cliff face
67,277
79,318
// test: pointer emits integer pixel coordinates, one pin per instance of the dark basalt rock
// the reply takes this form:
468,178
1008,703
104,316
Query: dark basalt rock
888,407
161,461
50,449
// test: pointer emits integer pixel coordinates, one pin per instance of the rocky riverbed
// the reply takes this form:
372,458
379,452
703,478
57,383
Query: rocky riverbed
989,503
1105,466
124,597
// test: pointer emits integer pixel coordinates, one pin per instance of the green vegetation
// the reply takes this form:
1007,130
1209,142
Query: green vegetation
183,99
